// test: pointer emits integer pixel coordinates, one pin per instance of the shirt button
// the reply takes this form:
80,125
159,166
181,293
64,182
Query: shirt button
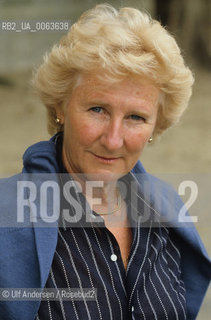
113,257
132,308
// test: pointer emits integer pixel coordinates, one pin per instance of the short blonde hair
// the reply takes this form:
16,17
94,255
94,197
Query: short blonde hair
119,43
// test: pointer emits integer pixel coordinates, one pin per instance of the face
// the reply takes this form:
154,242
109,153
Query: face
106,126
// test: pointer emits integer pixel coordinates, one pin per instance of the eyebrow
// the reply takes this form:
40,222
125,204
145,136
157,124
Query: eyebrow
98,102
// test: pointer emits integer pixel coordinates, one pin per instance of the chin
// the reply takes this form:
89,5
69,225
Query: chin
104,175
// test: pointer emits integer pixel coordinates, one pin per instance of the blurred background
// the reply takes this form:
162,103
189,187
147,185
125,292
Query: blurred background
184,149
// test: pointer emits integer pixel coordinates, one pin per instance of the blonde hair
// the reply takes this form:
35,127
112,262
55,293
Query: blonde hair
118,43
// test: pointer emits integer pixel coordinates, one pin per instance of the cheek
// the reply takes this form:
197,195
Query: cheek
135,142
84,133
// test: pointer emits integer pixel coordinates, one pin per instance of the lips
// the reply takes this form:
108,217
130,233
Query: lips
106,159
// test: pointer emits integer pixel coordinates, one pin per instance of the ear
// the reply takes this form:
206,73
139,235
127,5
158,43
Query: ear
60,117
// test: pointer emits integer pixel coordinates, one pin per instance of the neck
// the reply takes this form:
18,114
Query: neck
98,192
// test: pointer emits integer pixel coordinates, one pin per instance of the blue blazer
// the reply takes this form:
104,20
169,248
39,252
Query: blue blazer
26,252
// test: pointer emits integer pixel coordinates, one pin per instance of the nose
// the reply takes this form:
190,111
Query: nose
113,135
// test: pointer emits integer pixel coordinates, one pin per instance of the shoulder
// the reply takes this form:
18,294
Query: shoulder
166,201
8,191
41,157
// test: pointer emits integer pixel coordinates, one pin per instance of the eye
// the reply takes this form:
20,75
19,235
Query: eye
97,109
136,117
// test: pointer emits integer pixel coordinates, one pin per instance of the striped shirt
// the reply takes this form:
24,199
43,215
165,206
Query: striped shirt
89,256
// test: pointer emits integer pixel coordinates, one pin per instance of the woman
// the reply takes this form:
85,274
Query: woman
115,82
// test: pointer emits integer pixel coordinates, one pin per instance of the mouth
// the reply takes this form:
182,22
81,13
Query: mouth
106,159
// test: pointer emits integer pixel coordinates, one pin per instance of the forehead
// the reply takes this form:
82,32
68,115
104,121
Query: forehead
92,86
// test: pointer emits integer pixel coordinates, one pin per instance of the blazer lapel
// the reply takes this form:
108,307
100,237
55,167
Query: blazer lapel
46,240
